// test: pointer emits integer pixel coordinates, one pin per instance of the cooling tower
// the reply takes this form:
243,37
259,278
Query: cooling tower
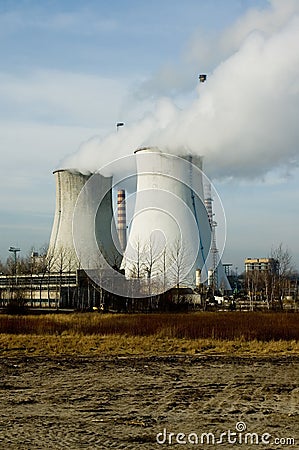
62,254
170,233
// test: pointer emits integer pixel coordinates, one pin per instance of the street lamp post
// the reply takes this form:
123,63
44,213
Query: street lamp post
15,250
119,124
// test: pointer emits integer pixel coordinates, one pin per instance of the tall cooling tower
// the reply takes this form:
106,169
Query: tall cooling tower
170,233
62,254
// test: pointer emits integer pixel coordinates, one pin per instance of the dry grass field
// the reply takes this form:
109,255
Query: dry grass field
92,334
97,381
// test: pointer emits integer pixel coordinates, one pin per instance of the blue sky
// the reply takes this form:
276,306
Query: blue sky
70,70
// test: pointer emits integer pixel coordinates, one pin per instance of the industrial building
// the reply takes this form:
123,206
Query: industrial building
91,262
269,265
267,286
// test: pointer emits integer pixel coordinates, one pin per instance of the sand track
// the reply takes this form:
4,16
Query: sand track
122,403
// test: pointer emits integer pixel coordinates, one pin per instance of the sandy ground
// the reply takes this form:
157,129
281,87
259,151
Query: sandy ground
123,403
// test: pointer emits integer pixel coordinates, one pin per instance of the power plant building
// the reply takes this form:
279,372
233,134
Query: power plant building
169,244
170,235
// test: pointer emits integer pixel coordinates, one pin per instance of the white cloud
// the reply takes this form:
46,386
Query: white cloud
29,153
62,97
209,50
259,217
75,22
72,21
244,119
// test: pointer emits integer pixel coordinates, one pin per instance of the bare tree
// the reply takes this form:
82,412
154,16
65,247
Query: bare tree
137,267
272,282
283,274
178,256
255,281
10,266
178,269
2,268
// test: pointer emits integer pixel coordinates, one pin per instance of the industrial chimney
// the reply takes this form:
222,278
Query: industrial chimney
62,255
121,219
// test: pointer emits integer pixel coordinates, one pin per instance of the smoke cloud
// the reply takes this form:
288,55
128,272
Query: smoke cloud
243,120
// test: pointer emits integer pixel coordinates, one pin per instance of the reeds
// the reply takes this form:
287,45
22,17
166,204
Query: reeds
246,326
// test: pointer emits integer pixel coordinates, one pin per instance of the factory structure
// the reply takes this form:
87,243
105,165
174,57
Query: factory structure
98,259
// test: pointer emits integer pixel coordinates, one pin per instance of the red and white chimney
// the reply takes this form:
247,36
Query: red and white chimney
121,219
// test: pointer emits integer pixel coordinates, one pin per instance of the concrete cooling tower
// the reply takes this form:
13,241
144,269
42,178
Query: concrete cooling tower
62,254
170,234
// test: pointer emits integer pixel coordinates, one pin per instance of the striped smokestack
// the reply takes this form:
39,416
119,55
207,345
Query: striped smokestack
121,219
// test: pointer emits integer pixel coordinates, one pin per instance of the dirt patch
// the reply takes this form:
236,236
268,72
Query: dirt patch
123,403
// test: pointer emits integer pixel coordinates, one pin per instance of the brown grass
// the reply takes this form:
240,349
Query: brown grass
120,345
92,334
223,325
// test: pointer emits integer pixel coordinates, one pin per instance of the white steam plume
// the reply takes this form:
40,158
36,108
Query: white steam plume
244,120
